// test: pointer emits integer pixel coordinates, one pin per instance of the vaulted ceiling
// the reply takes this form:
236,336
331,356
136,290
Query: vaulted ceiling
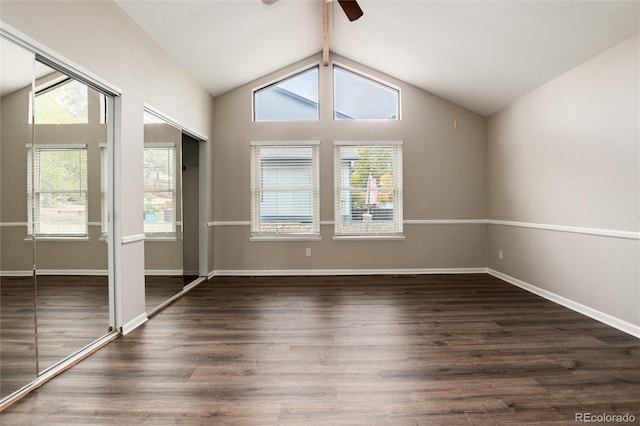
481,55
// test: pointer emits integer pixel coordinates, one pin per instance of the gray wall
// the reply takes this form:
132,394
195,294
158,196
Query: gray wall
99,37
567,155
444,176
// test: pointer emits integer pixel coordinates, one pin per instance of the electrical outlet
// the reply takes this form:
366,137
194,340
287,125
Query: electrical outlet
500,254
307,252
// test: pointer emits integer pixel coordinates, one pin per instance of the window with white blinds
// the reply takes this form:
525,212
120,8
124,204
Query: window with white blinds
285,189
57,190
160,189
368,188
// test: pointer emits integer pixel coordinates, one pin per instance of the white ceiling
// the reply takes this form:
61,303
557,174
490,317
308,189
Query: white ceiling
479,54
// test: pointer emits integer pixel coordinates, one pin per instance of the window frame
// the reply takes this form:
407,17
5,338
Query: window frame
374,80
173,234
398,191
34,189
282,79
256,193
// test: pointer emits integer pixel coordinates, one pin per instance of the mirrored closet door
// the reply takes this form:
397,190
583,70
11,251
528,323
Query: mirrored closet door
171,203
54,263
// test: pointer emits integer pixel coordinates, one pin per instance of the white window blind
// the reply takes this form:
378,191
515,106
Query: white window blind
57,190
368,188
160,189
284,190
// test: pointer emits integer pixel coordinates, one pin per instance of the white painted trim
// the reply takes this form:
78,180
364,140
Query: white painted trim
605,318
13,224
78,272
613,233
94,224
16,273
284,142
163,272
128,239
365,237
445,221
406,222
322,272
368,142
134,323
58,146
175,123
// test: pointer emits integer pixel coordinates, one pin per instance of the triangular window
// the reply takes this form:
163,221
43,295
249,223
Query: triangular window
292,99
64,103
360,98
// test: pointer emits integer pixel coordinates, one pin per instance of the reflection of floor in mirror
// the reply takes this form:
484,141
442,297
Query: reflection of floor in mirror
159,288
72,311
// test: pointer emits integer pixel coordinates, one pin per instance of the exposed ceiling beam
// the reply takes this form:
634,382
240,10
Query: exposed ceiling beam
325,32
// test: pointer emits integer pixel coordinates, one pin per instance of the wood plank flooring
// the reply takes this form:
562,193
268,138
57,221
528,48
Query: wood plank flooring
428,350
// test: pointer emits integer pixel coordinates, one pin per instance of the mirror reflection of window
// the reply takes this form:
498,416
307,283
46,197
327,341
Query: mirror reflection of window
62,101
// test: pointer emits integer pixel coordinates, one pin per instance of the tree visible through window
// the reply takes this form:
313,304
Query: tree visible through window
63,103
159,189
57,191
368,194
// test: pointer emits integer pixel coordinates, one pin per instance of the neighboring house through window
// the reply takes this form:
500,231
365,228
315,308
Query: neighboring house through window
357,97
292,99
284,190
368,188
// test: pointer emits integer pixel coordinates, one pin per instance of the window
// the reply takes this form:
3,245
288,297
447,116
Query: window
284,190
368,188
360,98
104,188
160,189
62,102
295,98
57,190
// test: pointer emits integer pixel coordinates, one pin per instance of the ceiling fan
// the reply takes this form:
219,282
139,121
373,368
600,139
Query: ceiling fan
351,8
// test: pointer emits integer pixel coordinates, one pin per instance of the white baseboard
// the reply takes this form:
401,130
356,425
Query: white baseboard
134,323
16,273
164,272
75,272
322,272
607,319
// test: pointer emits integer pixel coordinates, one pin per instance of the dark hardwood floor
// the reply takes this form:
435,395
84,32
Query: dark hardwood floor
428,350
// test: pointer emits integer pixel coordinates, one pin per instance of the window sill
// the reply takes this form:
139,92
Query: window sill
367,237
60,238
285,238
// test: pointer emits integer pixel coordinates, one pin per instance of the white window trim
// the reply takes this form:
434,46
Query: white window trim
315,236
398,209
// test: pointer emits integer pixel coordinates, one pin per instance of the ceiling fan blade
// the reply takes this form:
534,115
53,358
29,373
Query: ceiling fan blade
351,9
269,2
